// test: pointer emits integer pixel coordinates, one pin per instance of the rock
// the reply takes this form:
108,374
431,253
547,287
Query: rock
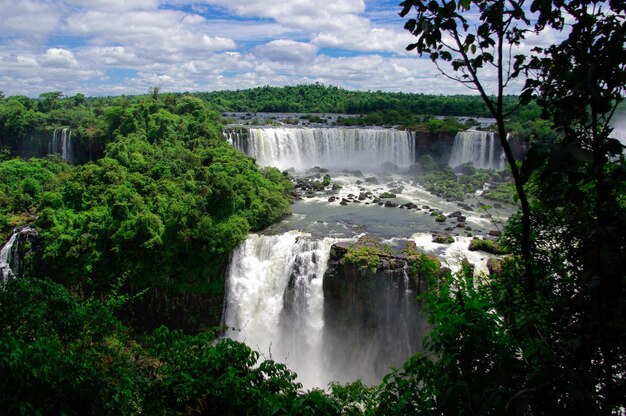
356,201
410,205
351,196
372,180
440,218
390,204
343,202
362,196
465,206
455,214
460,225
466,265
332,199
495,233
443,239
425,207
497,205
488,246
468,228
397,190
495,266
386,195
389,167
461,218
314,169
359,182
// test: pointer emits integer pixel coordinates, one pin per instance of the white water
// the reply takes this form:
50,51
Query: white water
275,293
452,255
331,148
6,255
479,147
275,303
9,255
62,143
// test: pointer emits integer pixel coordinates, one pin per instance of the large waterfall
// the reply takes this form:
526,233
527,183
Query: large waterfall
290,295
482,148
61,143
275,302
332,148
276,305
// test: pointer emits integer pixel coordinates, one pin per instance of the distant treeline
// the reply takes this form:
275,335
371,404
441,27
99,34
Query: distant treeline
317,98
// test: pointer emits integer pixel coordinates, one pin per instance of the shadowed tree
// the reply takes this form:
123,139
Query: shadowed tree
472,51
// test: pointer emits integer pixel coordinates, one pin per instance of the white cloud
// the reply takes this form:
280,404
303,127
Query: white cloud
58,58
284,50
117,5
27,21
161,34
88,45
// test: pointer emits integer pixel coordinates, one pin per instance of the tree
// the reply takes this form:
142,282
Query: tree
570,335
445,33
581,176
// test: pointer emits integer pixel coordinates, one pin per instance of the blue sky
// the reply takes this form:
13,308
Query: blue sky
113,47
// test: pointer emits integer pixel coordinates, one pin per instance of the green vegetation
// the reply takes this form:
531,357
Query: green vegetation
488,246
317,98
366,254
457,183
165,206
157,216
62,356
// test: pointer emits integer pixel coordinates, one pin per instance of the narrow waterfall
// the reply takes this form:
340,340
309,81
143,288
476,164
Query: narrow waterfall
275,303
332,148
9,254
482,148
61,143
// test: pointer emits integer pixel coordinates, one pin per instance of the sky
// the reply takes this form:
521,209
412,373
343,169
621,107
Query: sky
114,47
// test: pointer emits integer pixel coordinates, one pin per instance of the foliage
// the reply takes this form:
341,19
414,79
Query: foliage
366,254
471,365
444,182
488,246
62,356
165,206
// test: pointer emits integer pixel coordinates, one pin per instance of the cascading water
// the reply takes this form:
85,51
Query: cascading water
9,254
332,148
482,148
62,143
274,300
293,300
6,255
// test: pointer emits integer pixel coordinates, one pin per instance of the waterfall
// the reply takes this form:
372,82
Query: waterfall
332,148
62,143
274,300
479,147
276,304
6,255
9,254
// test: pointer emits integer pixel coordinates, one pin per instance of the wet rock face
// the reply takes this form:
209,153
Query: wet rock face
365,307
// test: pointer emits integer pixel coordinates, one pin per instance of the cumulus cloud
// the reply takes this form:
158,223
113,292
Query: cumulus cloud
26,21
58,58
117,5
161,35
284,50
124,47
